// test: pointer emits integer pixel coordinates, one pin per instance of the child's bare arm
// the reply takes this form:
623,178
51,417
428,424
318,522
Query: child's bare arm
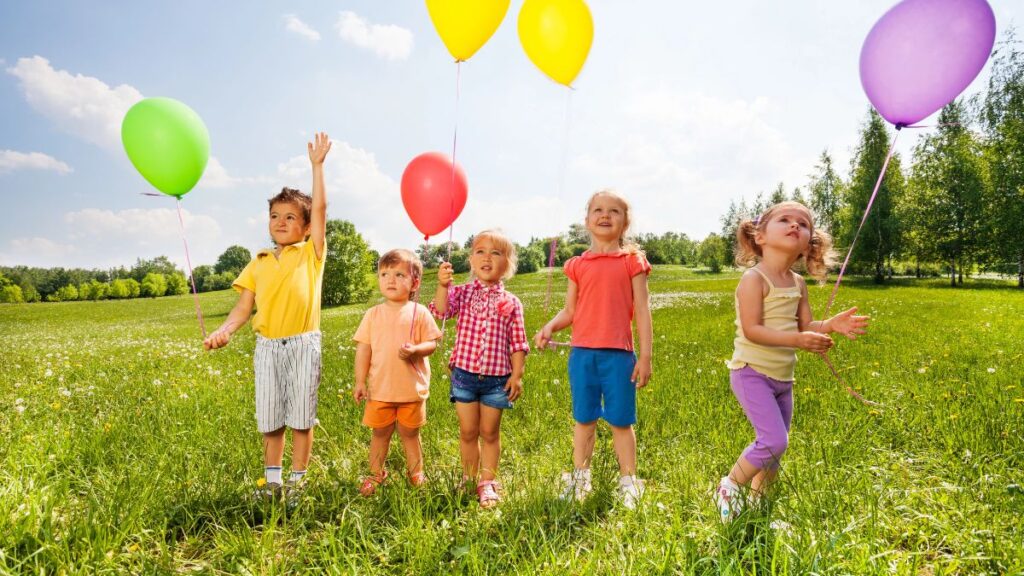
514,386
644,328
318,214
412,352
561,320
362,367
237,318
444,281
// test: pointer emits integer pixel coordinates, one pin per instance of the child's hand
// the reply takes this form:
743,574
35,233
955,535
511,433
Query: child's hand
359,393
407,352
541,338
641,372
847,324
814,342
514,387
217,339
444,274
318,150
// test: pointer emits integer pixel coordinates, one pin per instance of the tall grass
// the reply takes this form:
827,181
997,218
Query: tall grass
124,448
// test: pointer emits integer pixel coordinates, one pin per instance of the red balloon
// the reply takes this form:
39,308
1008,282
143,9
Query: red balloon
433,192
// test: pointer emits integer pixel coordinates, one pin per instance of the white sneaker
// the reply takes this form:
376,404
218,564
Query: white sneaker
631,491
728,500
576,485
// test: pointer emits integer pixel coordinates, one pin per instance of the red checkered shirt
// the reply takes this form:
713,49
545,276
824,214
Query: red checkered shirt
490,328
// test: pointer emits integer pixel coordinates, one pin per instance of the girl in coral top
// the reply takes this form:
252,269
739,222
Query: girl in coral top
607,291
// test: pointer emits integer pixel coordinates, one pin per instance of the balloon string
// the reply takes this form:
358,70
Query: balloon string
867,210
455,140
192,277
558,193
854,393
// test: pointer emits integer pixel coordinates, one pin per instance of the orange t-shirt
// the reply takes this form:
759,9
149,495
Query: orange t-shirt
386,329
604,300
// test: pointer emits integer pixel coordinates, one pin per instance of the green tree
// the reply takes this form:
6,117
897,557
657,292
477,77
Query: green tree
158,265
232,260
711,252
1002,117
134,288
177,284
349,263
949,191
826,194
66,293
215,282
531,259
200,274
11,294
118,289
154,285
879,239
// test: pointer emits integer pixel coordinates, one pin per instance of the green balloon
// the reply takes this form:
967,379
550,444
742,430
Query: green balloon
167,143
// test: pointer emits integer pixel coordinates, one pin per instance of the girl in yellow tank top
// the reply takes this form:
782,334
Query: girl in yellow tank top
773,319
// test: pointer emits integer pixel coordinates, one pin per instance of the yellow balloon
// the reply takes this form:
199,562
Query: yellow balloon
556,35
466,25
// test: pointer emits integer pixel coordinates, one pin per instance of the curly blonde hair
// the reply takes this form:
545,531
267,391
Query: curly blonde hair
818,258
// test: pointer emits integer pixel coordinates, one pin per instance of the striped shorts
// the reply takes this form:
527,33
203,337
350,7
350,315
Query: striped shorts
287,381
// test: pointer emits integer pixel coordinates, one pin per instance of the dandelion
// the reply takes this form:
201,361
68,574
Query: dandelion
875,374
699,370
65,392
991,370
954,416
133,548
48,373
261,482
874,412
556,381
238,372
922,370
1019,400
55,405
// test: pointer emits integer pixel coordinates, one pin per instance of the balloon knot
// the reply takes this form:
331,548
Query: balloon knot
900,126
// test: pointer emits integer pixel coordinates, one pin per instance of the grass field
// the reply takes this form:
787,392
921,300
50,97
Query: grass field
124,448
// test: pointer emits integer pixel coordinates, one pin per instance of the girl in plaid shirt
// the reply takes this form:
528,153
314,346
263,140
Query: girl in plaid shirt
487,360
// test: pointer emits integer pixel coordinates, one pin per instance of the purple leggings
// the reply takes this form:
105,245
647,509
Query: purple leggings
768,404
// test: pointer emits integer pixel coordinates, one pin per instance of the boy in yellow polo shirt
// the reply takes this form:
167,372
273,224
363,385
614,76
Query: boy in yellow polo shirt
284,284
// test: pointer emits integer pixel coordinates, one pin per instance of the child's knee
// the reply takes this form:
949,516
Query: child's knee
408,433
469,432
777,445
384,431
490,434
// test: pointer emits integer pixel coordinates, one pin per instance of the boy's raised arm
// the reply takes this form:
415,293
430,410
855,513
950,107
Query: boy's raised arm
318,215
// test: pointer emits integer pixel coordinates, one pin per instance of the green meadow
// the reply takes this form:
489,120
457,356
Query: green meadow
125,448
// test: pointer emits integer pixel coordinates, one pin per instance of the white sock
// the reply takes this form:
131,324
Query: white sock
273,474
296,476
729,484
581,474
627,480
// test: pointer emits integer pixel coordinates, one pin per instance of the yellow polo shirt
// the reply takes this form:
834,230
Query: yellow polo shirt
287,289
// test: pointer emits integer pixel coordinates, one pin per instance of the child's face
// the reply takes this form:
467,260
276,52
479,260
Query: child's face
788,230
396,282
606,218
487,261
287,226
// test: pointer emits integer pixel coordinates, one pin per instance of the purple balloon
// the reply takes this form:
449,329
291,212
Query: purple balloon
922,54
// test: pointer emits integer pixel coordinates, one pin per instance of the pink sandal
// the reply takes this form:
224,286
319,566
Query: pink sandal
418,479
487,493
372,482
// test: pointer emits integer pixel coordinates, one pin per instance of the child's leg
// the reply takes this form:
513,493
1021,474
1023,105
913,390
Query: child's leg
413,449
273,447
762,401
583,444
784,398
379,444
469,437
490,441
302,445
624,442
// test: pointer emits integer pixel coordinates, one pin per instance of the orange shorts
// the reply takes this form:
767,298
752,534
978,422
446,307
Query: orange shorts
384,414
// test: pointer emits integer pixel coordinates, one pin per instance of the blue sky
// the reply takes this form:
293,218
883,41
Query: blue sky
682,108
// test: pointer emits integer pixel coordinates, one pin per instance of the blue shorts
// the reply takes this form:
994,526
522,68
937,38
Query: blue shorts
597,374
490,391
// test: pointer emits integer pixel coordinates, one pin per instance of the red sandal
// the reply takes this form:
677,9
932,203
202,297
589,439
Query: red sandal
371,482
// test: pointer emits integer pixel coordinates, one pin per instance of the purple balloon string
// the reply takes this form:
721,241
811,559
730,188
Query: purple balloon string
192,277
867,210
451,209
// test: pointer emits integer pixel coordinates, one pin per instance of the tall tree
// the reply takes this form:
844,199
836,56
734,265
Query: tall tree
826,194
233,260
950,183
348,265
1002,117
879,239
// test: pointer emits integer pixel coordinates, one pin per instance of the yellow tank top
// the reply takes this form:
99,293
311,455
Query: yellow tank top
779,313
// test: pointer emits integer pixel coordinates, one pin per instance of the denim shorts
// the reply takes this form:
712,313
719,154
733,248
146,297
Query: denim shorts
599,381
488,390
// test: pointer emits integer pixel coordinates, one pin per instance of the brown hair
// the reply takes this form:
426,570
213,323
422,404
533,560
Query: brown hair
399,256
293,196
817,260
625,242
504,244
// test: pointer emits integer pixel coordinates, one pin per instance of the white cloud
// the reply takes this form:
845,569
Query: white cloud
216,176
12,160
37,251
293,24
80,105
387,41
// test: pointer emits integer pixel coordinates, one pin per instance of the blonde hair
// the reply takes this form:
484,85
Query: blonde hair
625,242
502,243
817,260
399,256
